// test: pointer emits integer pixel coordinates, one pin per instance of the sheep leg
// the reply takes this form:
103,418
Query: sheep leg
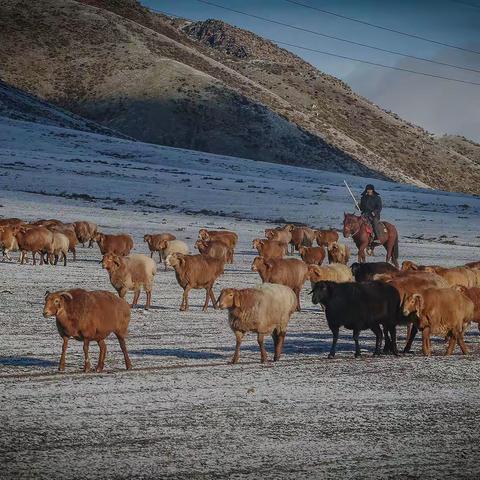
64,259
261,344
388,343
61,367
297,293
34,255
149,299
136,295
426,342
411,333
184,305
356,334
334,342
378,339
278,340
55,262
123,346
393,335
461,343
101,358
212,298
86,364
452,340
207,294
239,337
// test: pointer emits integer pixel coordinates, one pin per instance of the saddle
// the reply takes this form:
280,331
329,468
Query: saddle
370,230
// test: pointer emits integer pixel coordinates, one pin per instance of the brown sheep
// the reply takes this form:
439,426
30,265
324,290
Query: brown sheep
153,241
408,265
265,310
302,237
118,244
335,272
312,255
283,235
440,311
131,274
408,283
326,237
11,222
290,272
230,239
215,249
338,253
456,275
270,248
36,240
8,240
89,316
85,232
196,271
473,265
474,295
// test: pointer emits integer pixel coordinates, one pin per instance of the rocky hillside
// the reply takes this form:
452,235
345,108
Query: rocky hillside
212,87
463,146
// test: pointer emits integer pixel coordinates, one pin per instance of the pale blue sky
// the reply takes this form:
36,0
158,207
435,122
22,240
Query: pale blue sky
437,105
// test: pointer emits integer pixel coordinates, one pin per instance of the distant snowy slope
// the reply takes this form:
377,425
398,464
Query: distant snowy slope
115,173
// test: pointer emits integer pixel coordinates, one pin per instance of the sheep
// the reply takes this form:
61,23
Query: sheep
290,272
85,232
335,272
312,255
153,241
8,241
338,253
35,240
265,309
118,244
89,316
360,306
366,271
215,249
196,271
11,222
440,311
270,248
325,237
230,239
167,247
474,295
472,265
408,265
131,274
456,275
283,235
72,239
60,247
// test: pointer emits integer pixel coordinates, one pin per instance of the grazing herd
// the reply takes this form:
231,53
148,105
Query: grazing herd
364,296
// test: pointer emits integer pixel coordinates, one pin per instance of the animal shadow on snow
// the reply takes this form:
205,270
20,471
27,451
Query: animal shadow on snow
14,361
176,352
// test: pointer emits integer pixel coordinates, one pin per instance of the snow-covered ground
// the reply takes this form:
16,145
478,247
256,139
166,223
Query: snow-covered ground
183,412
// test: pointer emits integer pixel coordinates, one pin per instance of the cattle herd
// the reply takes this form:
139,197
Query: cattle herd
375,296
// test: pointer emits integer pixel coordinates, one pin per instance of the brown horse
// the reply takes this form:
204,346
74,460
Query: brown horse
357,228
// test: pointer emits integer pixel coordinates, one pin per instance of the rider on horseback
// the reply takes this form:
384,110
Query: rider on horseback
371,206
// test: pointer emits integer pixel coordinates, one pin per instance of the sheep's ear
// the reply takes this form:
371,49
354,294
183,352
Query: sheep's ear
236,299
47,293
419,302
116,261
66,295
181,261
268,263
413,266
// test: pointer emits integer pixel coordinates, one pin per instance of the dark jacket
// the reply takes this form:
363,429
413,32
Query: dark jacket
371,204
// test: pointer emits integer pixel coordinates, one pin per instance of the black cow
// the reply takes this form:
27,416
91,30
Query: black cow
361,306
365,271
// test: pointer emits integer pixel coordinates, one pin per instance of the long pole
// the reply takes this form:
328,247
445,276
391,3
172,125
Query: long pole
353,196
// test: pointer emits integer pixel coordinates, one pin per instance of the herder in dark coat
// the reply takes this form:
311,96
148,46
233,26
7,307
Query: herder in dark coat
371,206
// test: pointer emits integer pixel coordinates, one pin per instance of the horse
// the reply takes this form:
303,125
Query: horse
359,229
